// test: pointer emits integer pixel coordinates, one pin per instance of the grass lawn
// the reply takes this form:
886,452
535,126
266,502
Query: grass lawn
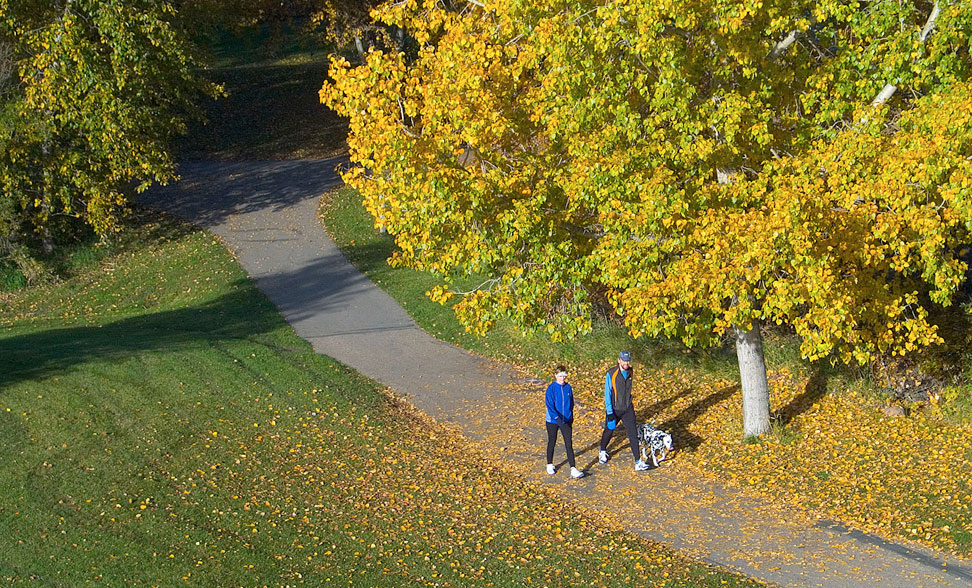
271,109
831,450
161,425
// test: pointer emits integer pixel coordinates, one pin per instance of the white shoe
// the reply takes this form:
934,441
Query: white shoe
602,457
576,473
641,466
551,469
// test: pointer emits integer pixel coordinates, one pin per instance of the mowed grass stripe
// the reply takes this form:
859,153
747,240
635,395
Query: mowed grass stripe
161,425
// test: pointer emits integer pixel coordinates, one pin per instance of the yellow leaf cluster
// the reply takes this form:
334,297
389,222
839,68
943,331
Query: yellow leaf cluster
664,158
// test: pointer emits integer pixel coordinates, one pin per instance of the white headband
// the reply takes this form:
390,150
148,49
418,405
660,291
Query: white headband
560,374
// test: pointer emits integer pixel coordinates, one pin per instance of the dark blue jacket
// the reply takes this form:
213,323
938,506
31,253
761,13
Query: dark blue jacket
560,403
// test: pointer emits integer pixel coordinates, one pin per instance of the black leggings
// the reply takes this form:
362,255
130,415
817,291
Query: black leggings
565,429
627,418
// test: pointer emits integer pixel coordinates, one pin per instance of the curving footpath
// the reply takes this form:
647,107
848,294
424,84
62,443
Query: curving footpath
266,212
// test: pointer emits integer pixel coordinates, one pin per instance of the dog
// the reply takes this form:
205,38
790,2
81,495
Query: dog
654,441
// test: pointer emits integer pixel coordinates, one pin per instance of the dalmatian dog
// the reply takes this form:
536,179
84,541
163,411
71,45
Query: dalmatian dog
654,441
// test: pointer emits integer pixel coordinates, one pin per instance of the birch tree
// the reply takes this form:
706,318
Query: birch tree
701,168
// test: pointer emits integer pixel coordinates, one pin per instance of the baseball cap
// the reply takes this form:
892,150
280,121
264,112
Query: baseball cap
625,356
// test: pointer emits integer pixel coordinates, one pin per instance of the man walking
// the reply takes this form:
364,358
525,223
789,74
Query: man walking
619,407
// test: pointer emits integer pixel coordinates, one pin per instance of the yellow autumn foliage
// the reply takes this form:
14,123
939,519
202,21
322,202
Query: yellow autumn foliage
676,163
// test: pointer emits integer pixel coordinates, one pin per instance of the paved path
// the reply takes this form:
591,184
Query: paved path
266,213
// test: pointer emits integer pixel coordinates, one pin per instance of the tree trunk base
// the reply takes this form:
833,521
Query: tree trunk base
752,376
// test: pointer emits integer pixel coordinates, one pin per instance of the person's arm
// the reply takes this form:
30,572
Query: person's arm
551,402
607,394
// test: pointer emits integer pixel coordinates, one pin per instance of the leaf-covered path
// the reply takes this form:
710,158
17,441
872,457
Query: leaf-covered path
267,214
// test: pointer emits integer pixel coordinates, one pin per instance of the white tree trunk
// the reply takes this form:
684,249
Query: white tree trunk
752,375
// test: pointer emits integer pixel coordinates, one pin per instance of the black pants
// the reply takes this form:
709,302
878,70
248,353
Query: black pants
565,430
627,418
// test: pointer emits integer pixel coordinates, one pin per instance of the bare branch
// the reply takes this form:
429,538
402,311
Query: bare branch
492,282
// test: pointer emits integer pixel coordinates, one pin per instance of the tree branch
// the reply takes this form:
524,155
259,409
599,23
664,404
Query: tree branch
783,45
491,282
930,24
889,89
884,95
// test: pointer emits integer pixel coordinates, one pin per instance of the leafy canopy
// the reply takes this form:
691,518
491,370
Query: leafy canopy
691,165
100,87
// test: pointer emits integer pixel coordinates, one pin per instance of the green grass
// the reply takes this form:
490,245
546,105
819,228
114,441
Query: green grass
77,250
271,109
280,43
11,277
161,425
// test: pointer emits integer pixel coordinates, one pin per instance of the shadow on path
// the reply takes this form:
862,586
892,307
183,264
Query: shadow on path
678,426
210,192
326,284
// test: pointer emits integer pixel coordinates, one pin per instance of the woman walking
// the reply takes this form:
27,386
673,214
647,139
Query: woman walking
560,416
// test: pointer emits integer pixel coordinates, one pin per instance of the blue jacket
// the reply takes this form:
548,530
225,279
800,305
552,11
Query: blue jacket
560,403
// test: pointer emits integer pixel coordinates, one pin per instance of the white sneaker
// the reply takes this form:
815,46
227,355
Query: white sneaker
602,457
551,469
576,473
641,466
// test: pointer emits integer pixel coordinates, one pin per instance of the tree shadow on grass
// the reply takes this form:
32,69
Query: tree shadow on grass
154,226
815,389
678,426
269,112
242,313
